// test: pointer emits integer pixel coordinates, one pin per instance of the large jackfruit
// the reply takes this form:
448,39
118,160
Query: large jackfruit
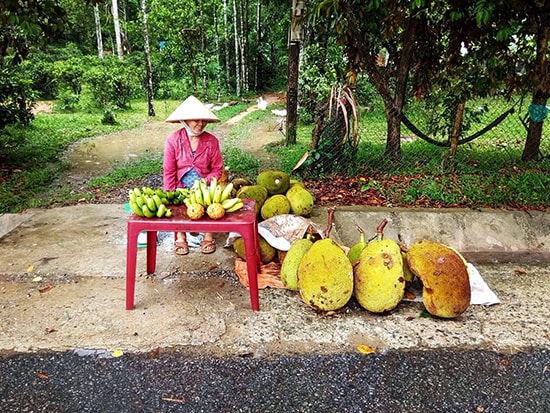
276,182
256,192
379,284
325,276
444,274
289,267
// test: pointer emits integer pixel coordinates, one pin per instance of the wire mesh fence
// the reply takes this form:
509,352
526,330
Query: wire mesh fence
493,136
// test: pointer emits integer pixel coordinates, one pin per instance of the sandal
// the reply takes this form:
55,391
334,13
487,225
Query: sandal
208,246
181,248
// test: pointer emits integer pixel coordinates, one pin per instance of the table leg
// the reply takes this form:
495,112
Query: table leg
151,251
131,258
252,266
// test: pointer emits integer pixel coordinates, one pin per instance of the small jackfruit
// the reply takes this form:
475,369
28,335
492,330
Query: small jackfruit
444,274
267,252
276,182
379,284
275,205
289,266
325,276
256,192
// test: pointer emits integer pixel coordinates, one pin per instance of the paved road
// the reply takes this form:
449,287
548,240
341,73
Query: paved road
413,381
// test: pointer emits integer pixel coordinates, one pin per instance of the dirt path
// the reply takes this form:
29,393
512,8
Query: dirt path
97,156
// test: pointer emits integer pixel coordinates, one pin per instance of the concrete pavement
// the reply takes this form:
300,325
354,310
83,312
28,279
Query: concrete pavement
62,288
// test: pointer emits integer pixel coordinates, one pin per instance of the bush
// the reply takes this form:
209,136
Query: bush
113,82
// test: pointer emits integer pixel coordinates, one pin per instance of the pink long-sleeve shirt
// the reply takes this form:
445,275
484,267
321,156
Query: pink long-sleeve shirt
179,159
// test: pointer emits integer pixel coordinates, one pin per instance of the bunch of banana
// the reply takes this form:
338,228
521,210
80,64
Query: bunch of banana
147,202
213,193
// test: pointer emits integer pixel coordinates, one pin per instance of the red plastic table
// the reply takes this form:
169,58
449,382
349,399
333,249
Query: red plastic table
242,221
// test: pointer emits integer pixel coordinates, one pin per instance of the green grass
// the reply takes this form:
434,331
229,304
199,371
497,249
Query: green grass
487,172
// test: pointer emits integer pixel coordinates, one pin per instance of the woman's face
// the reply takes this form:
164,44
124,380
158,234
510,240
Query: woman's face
196,125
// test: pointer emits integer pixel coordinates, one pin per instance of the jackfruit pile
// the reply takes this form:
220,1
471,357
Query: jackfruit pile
275,193
376,273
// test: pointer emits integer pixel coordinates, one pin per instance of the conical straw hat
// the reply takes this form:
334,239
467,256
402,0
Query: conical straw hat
192,108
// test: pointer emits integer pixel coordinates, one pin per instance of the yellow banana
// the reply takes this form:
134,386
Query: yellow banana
216,198
235,207
147,212
228,203
198,195
212,187
191,198
168,213
226,192
136,209
206,195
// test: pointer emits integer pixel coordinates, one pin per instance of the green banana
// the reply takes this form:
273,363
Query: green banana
192,199
226,191
228,203
151,204
136,209
158,201
147,212
140,200
235,207
161,211
137,191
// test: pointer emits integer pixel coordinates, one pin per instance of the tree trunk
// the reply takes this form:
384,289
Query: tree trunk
147,52
203,52
243,34
217,42
226,47
237,50
99,38
292,92
257,81
114,11
541,91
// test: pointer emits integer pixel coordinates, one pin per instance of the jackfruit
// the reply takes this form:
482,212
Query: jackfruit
256,192
291,261
301,200
276,182
275,205
379,284
267,252
444,274
325,276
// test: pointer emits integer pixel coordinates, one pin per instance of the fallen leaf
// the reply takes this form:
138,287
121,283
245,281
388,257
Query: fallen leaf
30,268
46,288
520,271
171,399
117,353
154,353
364,349
41,375
36,279
409,295
49,330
